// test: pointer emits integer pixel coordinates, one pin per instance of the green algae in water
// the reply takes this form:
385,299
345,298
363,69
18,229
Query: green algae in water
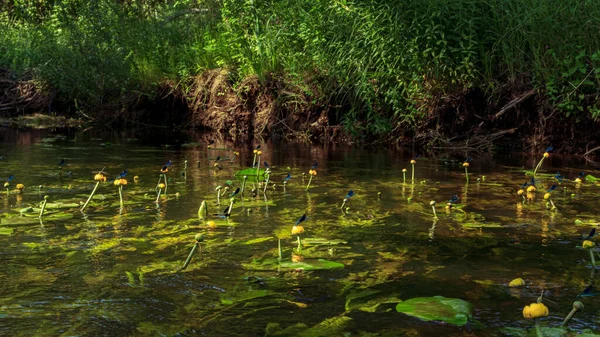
437,308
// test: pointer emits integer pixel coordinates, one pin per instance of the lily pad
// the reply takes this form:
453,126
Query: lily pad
437,308
308,264
250,172
6,231
591,178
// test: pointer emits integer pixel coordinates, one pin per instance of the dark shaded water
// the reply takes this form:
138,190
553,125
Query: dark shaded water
112,271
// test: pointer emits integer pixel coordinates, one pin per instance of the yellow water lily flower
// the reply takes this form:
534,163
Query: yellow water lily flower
161,186
20,187
587,244
535,310
404,170
520,192
120,181
547,196
412,161
531,189
517,283
297,230
99,177
466,164
312,172
546,154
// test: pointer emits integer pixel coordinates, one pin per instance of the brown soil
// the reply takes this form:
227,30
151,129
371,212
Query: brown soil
22,94
256,108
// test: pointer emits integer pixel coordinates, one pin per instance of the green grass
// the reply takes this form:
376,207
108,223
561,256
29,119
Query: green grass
384,63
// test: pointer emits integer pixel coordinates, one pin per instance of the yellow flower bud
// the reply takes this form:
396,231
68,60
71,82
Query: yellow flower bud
412,161
547,196
587,244
297,230
466,164
517,283
520,192
531,189
161,186
546,154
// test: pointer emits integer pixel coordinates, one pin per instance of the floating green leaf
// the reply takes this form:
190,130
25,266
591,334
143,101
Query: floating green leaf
250,172
437,308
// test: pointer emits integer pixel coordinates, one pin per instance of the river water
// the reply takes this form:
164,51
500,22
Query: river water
116,271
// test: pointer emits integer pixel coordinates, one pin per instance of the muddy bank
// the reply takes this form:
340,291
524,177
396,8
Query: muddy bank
472,119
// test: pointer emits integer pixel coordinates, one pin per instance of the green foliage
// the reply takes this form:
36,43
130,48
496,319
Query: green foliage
384,63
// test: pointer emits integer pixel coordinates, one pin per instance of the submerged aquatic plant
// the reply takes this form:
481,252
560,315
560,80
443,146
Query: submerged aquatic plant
546,155
98,177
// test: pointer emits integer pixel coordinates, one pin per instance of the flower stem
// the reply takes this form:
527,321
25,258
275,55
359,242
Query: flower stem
90,197
121,195
434,213
299,243
569,316
279,249
189,258
413,173
243,186
404,177
538,328
309,180
158,195
592,258
467,173
538,165
43,206
166,183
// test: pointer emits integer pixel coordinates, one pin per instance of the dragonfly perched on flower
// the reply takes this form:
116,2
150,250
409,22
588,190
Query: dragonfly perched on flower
349,195
554,186
301,219
122,174
165,168
591,234
266,164
453,199
579,177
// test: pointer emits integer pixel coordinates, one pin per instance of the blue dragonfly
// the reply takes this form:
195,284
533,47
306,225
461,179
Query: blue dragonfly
453,199
225,213
166,167
579,177
588,292
591,234
266,164
349,195
554,186
236,192
314,166
549,148
302,219
559,177
11,177
468,160
288,177
62,162
122,174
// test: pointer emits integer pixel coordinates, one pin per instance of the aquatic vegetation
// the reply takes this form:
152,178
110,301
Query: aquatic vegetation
312,173
348,196
546,155
160,187
412,163
404,176
517,283
535,311
98,177
432,204
43,208
589,245
466,165
198,238
577,306
437,308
